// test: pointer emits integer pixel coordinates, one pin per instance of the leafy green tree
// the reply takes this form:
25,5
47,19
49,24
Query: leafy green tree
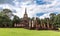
45,20
38,20
57,20
32,18
7,12
52,16
5,20
16,19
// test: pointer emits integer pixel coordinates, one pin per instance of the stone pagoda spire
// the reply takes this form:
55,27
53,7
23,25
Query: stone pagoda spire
25,10
25,17
25,14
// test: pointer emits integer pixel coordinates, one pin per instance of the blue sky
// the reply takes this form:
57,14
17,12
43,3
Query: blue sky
35,8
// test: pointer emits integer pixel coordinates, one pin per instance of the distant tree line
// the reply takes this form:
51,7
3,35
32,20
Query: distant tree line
6,21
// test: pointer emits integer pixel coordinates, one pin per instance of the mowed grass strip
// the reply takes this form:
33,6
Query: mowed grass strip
25,32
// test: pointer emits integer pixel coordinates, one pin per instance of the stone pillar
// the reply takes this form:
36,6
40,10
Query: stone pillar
44,26
48,24
52,27
30,24
36,26
15,25
41,24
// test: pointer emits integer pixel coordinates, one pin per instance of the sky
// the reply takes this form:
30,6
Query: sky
35,8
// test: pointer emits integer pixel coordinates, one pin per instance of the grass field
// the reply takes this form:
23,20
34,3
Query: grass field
25,32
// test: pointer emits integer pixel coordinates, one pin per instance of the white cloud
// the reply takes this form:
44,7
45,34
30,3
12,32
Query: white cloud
45,16
33,8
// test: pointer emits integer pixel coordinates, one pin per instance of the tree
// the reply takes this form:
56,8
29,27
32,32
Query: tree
45,20
5,18
7,12
57,20
52,16
32,18
5,21
16,19
38,20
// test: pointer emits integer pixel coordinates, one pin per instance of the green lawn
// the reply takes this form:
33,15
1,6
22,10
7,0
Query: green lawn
25,32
